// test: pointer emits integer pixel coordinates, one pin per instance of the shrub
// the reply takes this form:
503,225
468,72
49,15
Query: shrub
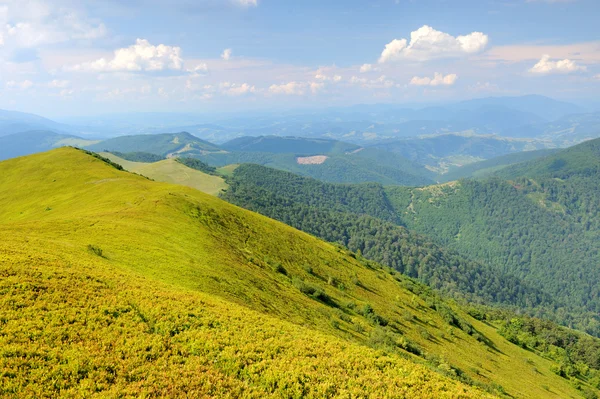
95,250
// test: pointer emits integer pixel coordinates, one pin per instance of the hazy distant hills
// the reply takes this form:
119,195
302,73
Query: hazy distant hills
166,144
14,122
438,138
29,142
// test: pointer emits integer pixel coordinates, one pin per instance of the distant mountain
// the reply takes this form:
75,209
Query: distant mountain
30,142
441,152
166,144
488,167
544,107
580,160
14,122
326,160
296,145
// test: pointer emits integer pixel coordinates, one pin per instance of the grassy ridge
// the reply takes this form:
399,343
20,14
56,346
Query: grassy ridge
116,284
172,171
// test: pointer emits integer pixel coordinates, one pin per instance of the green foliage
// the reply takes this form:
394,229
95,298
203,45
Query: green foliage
197,164
185,305
95,250
361,218
544,231
491,166
103,159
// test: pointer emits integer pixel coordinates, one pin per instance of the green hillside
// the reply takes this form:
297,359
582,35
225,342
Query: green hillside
447,151
115,285
327,160
491,166
172,171
366,165
580,160
502,236
283,145
166,145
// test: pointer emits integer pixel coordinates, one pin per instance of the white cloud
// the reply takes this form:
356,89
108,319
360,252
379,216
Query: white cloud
58,84
597,77
437,80
24,85
367,68
226,55
233,89
547,66
321,74
290,88
427,43
141,56
33,23
199,70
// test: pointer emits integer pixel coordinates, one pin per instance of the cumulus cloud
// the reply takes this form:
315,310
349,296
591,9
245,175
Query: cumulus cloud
437,80
141,56
547,66
322,75
367,68
199,70
233,89
290,88
33,23
597,77
427,43
226,55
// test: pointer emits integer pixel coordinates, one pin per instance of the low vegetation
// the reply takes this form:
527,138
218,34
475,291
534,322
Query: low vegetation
193,296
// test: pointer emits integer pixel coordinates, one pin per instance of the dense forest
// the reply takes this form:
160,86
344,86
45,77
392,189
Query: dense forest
505,236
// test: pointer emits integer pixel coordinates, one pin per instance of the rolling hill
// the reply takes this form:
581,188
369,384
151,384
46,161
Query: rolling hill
489,167
117,285
172,171
328,160
166,144
580,160
442,152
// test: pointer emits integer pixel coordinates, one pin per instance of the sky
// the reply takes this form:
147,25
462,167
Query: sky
74,58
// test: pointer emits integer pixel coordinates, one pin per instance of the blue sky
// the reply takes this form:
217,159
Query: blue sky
62,57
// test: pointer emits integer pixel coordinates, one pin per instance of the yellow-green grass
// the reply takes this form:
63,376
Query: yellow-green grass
112,284
171,171
227,170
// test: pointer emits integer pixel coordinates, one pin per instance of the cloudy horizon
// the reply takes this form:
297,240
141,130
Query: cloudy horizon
93,57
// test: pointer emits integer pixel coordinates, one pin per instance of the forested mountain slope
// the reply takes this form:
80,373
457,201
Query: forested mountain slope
511,231
114,284
491,166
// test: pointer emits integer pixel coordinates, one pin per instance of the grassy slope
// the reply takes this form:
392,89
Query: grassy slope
171,171
185,300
